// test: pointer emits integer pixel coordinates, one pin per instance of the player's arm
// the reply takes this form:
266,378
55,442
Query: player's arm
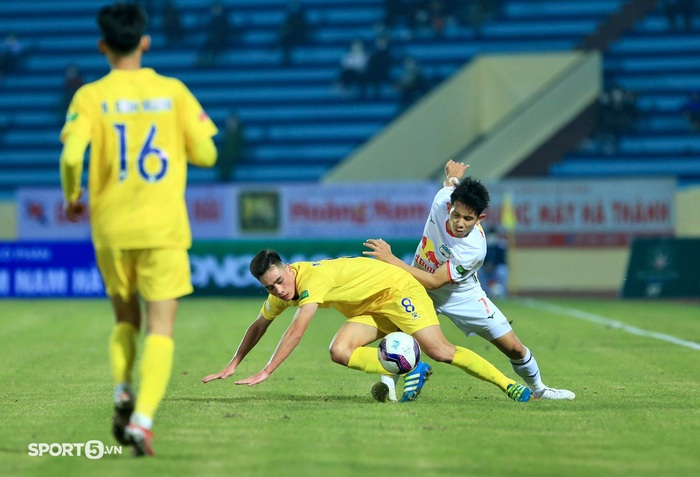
454,172
289,341
382,252
255,331
71,166
202,153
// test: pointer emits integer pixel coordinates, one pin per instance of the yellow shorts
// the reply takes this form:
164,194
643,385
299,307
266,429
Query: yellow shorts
409,309
156,274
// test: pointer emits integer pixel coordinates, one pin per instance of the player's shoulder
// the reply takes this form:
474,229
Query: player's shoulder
171,81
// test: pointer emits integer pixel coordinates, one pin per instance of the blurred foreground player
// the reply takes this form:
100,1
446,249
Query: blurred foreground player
142,129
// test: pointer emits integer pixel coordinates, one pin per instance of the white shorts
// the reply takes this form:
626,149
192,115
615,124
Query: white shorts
475,314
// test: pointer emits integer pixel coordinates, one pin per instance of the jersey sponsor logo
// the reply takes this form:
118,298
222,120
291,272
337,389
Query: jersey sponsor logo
423,264
445,251
428,251
461,270
304,294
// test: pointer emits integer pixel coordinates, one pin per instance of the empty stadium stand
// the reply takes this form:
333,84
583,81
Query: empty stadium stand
297,125
660,65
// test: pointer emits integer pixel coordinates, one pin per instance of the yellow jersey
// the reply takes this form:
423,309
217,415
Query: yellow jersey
353,286
140,126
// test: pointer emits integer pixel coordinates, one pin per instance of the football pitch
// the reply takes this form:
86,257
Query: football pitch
634,365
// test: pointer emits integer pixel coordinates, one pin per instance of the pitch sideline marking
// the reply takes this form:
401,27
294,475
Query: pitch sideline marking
593,318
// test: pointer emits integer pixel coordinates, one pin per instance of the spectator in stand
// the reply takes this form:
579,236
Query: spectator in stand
438,14
11,54
412,83
680,11
474,13
353,69
617,114
220,35
691,111
72,81
493,274
379,66
294,31
172,23
232,147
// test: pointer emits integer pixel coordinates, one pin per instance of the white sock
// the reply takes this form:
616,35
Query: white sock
527,369
391,382
141,420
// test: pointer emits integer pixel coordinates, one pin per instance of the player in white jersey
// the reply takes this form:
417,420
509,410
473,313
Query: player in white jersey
446,262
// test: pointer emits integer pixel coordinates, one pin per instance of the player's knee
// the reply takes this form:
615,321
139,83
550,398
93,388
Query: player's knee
340,354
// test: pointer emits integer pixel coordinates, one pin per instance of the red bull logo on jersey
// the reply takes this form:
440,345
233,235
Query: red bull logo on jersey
427,258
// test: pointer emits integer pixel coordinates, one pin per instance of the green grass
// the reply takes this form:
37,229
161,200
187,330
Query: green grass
637,410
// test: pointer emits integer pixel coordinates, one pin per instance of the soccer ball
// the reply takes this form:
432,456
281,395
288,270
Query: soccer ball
398,352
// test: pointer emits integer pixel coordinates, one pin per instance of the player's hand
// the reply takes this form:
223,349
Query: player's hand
455,169
255,379
379,250
225,373
74,209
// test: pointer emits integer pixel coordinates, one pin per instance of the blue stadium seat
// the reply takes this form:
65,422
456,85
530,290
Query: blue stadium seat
294,118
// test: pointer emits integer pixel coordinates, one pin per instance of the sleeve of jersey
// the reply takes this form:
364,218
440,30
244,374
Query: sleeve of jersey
199,130
75,136
78,118
272,308
439,208
72,166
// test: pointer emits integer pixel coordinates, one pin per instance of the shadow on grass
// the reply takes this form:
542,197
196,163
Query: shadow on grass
276,397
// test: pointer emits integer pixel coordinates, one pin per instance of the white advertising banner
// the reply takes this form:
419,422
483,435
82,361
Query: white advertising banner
549,212
40,217
592,212
361,211
40,214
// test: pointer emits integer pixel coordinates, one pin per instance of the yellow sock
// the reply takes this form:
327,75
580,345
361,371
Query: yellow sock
478,367
156,366
366,359
122,351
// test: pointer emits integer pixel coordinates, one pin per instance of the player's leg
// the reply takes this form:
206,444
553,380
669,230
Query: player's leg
525,365
122,340
349,348
118,275
433,342
349,345
163,277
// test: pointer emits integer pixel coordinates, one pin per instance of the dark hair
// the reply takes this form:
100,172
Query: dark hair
263,260
122,26
472,194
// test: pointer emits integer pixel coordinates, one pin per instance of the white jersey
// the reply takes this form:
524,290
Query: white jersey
464,256
462,299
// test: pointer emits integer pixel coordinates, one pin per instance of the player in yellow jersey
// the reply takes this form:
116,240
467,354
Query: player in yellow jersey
143,129
377,298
